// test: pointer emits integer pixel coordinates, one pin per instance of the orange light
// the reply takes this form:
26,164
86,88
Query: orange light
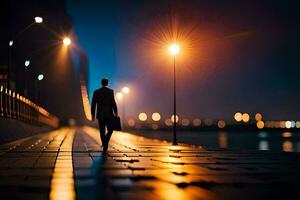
185,122
258,117
221,124
67,41
119,95
245,117
260,124
197,122
238,116
168,122
287,134
174,49
131,122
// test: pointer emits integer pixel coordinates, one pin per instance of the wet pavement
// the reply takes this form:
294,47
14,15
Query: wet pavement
68,163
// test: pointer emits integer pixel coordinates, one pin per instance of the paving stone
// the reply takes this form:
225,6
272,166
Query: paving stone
71,160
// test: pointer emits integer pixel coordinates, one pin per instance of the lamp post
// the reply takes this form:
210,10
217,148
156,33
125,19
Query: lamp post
26,64
120,97
37,20
39,77
125,91
174,50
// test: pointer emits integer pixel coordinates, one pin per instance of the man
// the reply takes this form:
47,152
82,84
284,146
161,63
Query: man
104,100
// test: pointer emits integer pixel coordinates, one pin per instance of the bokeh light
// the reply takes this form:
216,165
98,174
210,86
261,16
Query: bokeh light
245,117
131,122
143,116
221,124
125,90
258,117
185,122
260,124
172,118
156,116
298,124
119,95
282,124
168,122
238,117
154,126
287,134
196,122
208,122
287,146
288,124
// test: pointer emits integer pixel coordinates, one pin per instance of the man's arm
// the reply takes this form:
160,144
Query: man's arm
93,107
115,108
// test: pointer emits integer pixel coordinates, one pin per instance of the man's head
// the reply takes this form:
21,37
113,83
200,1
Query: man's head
104,82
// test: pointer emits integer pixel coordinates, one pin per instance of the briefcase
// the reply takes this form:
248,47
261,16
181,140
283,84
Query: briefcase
116,123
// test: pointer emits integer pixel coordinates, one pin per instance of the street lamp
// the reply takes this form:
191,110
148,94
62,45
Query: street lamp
38,20
27,63
125,91
40,77
11,42
174,49
119,95
67,41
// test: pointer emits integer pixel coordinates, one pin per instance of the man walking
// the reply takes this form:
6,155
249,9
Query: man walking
104,101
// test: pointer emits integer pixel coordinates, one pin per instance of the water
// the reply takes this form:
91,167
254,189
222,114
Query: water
262,140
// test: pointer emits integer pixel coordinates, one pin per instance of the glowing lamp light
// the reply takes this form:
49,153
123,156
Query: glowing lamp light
197,122
298,124
125,90
174,49
119,95
156,116
40,77
143,116
131,122
221,124
258,117
172,118
67,41
238,116
185,122
245,117
38,20
27,63
260,124
288,124
11,42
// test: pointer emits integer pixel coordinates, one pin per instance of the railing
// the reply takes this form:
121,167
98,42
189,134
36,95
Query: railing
15,106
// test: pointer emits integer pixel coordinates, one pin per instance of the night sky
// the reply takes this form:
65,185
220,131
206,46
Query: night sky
236,56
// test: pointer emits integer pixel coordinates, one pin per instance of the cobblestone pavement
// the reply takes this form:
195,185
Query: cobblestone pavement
68,163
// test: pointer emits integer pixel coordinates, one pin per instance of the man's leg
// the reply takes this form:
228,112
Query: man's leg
102,132
109,130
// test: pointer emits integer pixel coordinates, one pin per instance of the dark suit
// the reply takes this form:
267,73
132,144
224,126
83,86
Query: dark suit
104,101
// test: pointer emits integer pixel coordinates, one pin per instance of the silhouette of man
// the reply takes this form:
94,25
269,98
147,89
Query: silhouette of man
104,101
